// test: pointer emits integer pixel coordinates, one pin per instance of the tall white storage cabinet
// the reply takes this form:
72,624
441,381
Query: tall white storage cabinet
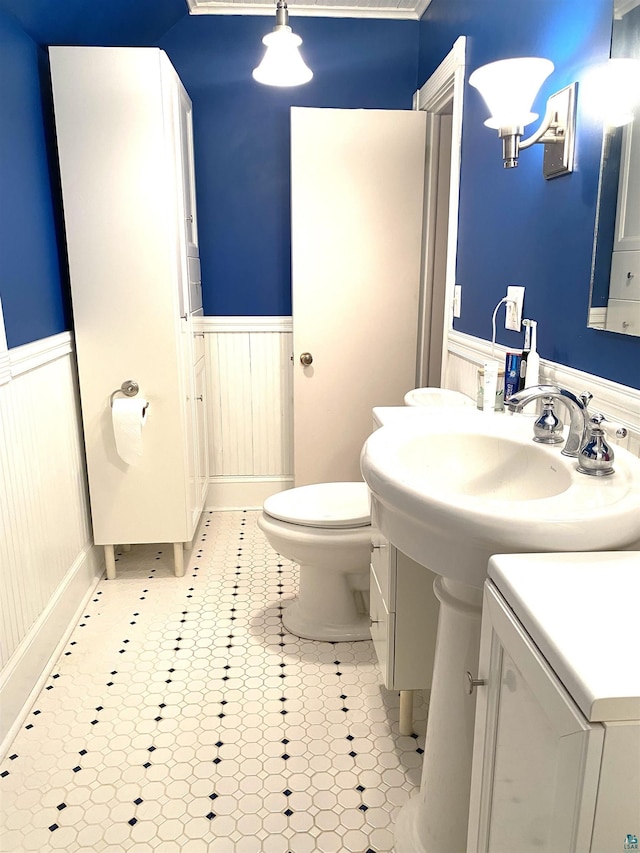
123,124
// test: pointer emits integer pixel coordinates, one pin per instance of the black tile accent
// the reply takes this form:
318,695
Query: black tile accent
61,806
363,808
353,754
4,773
360,788
287,792
147,764
350,737
53,827
138,800
288,812
211,815
13,757
77,768
213,796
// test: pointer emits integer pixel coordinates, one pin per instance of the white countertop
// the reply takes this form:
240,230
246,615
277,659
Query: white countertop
582,610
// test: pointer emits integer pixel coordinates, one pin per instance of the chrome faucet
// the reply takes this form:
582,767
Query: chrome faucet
586,439
579,414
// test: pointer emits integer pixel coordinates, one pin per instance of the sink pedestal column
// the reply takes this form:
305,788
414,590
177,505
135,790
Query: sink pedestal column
435,821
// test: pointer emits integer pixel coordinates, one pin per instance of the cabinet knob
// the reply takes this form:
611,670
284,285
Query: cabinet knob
199,398
189,218
472,683
306,358
374,621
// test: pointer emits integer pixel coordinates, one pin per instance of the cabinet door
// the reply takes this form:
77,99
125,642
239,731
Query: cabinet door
201,448
536,758
188,172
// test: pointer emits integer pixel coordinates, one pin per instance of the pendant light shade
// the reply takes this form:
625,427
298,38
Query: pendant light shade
282,64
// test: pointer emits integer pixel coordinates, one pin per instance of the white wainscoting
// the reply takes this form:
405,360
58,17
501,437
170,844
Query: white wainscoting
249,408
48,564
617,402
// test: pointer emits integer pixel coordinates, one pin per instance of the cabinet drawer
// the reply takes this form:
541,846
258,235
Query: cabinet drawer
623,315
195,284
382,631
383,566
198,346
625,275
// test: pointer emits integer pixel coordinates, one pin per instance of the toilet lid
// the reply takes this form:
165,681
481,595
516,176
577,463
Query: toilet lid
322,505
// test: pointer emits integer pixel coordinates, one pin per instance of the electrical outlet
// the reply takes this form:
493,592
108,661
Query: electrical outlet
457,299
513,317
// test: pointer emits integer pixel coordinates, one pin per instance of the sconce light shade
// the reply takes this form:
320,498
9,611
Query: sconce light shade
620,95
282,64
509,88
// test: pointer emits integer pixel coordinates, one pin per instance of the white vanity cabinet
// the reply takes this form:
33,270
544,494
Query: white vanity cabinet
556,766
404,621
123,125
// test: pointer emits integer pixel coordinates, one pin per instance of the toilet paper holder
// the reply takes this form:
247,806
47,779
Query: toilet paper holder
129,388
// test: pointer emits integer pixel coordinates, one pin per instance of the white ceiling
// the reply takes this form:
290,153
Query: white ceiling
410,10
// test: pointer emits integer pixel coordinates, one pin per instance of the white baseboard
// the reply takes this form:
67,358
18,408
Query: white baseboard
243,492
30,665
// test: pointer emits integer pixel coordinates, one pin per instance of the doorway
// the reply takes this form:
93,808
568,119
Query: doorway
441,97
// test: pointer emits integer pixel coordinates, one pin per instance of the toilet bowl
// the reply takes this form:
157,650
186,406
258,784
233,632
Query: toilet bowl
326,529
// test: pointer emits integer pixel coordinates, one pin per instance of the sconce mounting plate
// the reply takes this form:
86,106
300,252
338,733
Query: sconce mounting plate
559,150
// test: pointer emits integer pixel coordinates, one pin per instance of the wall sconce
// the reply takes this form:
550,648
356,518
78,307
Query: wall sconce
509,88
282,64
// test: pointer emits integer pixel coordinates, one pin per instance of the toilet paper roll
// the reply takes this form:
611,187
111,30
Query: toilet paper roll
129,415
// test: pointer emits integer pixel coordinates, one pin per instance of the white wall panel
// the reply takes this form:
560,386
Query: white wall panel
45,533
250,398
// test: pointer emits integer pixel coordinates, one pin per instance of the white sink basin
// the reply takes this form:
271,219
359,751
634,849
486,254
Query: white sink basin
436,397
453,492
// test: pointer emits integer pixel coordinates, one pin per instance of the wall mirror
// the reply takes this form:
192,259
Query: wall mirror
615,269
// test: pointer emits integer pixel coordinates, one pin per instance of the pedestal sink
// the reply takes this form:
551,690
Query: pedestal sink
450,492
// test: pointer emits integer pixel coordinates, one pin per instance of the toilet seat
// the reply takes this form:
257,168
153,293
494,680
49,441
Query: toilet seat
328,505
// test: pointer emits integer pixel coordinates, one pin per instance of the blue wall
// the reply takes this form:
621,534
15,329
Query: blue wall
241,137
515,227
31,285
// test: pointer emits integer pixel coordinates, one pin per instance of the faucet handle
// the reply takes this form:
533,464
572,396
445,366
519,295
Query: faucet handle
548,427
612,428
585,398
596,456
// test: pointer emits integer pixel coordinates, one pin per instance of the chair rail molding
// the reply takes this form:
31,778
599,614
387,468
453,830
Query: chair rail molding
617,402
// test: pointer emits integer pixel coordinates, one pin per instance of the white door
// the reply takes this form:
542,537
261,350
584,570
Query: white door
357,179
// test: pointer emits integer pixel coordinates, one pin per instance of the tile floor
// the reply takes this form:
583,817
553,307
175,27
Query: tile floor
182,717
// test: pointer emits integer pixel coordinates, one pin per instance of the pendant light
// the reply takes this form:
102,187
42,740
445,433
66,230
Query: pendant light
282,64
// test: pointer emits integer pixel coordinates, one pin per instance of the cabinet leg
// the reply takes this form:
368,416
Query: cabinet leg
406,712
110,561
188,545
178,559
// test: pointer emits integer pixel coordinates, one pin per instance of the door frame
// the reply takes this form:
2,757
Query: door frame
442,92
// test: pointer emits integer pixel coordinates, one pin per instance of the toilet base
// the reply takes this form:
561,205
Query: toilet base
301,625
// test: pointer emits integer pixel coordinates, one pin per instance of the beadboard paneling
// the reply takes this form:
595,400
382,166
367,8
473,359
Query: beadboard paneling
45,532
617,402
250,398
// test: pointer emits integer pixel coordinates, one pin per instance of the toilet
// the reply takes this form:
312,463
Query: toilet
326,529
